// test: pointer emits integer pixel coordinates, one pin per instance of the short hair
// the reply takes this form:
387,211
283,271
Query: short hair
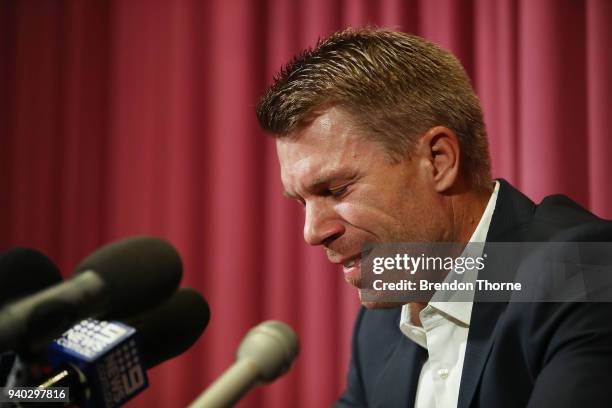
394,86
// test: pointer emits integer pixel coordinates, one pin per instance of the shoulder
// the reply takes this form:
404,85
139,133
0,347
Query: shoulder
556,218
375,336
565,220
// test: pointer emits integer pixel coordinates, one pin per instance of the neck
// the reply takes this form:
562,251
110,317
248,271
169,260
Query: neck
467,208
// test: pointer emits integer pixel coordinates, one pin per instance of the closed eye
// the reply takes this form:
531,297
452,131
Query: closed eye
338,192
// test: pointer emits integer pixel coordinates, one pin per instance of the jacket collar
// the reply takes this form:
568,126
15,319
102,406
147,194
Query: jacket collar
513,212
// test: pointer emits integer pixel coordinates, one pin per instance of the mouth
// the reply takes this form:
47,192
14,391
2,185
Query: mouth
351,262
352,268
352,271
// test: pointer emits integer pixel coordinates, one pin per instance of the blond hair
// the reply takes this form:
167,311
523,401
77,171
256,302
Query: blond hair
394,85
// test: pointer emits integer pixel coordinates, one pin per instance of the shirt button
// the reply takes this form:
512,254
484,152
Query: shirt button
443,373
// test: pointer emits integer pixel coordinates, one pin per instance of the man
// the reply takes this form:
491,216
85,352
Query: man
381,138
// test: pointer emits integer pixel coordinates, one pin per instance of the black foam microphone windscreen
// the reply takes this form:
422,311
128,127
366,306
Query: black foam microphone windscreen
24,271
118,280
172,327
149,264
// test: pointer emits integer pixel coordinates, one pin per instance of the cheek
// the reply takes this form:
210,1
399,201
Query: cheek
368,216
349,212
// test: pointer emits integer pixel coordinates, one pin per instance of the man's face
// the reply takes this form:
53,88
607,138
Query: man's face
352,193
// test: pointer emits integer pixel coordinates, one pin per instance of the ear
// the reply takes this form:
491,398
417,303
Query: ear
440,146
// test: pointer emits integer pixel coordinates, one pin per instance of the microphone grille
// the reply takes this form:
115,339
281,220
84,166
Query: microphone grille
272,346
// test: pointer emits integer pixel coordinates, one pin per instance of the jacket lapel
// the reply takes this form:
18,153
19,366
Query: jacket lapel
397,384
512,213
479,345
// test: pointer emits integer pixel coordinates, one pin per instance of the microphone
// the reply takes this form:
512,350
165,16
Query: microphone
119,279
24,271
168,330
266,352
104,363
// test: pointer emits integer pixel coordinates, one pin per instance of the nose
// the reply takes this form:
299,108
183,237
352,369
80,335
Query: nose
321,223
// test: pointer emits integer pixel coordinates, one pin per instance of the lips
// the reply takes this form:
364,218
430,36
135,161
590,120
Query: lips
350,263
352,268
352,271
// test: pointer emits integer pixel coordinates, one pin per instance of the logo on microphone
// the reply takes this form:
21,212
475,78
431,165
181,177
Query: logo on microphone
108,356
91,337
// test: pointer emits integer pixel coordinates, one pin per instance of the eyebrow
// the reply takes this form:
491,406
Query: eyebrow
324,180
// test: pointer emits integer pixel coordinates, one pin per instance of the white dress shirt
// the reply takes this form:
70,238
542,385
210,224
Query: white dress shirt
445,332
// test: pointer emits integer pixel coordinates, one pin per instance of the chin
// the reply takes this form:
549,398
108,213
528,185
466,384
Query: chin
379,304
374,303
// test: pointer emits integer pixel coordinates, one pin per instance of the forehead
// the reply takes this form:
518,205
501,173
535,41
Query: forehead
328,145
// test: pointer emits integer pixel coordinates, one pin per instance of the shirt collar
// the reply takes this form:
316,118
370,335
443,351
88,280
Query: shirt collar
460,312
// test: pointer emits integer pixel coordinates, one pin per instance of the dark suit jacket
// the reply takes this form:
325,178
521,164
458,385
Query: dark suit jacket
518,354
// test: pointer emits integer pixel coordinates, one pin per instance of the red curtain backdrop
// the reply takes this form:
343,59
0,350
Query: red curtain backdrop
137,117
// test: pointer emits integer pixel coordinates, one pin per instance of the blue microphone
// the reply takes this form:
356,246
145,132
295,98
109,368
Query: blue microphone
104,363
106,354
118,280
